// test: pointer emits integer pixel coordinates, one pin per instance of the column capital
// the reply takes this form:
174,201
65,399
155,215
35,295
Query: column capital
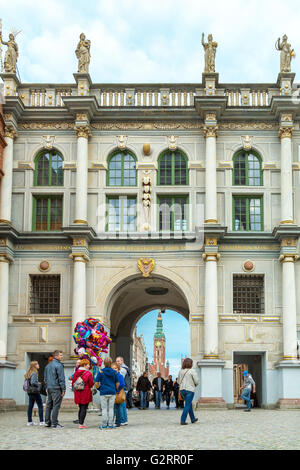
210,131
10,132
83,131
79,257
285,132
288,258
211,257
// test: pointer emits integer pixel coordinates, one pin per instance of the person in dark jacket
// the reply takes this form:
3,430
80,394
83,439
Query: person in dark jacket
168,390
107,380
83,397
158,387
54,377
143,386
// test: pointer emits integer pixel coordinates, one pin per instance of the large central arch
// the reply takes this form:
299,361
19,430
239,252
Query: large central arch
133,298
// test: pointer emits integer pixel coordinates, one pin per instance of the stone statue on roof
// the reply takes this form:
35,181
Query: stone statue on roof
12,53
286,54
83,54
210,49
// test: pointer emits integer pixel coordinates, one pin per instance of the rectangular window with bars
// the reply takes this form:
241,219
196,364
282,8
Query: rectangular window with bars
45,294
249,294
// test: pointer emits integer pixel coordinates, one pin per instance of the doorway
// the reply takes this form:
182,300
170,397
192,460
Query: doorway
42,359
253,362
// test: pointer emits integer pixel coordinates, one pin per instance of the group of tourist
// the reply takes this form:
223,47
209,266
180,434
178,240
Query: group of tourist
113,382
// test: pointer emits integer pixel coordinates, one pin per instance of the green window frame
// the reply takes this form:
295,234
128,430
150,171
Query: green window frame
122,169
248,214
247,169
47,213
177,217
121,214
49,169
173,169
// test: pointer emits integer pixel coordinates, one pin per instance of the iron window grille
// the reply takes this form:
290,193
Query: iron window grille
248,294
45,294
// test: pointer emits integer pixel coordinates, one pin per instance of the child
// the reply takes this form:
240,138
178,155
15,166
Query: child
107,380
118,408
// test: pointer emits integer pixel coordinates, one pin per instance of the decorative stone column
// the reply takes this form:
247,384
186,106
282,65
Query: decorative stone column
6,368
6,182
211,367
210,134
289,367
80,256
285,134
83,133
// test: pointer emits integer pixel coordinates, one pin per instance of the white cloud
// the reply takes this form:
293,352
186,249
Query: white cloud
158,41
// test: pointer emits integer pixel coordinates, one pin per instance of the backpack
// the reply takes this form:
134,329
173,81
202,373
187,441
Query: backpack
26,385
127,380
79,384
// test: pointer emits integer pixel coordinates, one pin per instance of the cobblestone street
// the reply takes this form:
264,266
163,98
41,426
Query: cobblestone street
159,430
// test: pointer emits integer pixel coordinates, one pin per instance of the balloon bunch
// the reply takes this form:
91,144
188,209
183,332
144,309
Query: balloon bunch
92,340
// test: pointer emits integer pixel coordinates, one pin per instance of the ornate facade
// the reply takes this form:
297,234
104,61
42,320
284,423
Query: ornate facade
139,356
101,210
2,141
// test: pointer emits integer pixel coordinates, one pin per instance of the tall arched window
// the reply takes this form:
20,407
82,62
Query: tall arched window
247,169
173,169
122,169
49,169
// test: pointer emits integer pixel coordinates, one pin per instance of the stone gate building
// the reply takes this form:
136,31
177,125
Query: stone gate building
101,208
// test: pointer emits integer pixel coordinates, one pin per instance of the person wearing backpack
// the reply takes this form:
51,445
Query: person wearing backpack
107,381
33,387
82,383
188,381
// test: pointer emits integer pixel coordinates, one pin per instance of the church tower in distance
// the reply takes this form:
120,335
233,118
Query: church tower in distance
159,351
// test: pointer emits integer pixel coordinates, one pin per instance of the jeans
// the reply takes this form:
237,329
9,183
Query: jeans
143,398
168,398
246,396
53,405
158,397
82,413
107,406
35,397
188,405
120,413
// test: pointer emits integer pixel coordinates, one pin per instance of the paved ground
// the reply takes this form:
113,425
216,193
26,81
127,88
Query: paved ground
159,430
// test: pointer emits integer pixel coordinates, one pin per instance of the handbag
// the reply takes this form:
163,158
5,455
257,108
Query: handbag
79,384
120,397
180,398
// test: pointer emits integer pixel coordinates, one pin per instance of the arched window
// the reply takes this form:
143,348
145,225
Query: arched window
173,169
247,169
122,169
49,169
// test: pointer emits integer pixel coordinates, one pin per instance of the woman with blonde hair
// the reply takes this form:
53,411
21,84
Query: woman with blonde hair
33,392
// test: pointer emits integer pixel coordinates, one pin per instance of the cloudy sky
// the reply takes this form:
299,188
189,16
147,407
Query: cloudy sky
157,41
177,332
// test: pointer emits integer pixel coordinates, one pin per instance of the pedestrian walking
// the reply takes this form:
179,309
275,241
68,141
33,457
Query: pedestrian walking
120,401
168,390
82,383
249,385
143,387
107,383
158,387
188,381
176,392
54,377
33,391
127,378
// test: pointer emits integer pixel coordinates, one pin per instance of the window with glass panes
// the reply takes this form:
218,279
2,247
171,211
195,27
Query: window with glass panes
173,213
121,214
173,169
247,213
122,170
47,213
49,169
45,295
248,294
247,170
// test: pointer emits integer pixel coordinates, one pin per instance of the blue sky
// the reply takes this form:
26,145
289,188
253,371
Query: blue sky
157,41
177,332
